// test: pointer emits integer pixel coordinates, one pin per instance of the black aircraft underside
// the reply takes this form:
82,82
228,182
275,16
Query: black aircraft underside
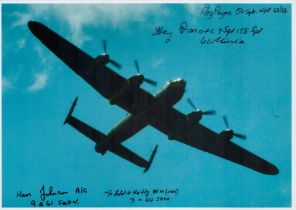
144,108
98,137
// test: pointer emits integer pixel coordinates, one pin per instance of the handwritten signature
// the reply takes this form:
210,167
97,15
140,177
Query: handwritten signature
219,35
216,11
46,196
159,30
144,195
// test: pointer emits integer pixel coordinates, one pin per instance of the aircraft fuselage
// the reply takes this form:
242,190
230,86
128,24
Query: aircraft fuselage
168,96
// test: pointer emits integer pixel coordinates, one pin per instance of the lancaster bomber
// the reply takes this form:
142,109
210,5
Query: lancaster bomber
144,109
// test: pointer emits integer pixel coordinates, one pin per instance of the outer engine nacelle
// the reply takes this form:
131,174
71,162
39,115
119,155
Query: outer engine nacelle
227,135
102,60
136,80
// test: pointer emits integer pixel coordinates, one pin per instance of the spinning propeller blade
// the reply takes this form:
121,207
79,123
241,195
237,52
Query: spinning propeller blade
149,81
137,66
105,46
241,136
208,112
225,121
191,103
113,62
238,135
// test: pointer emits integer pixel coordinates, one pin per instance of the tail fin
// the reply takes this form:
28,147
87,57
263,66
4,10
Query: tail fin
71,110
151,159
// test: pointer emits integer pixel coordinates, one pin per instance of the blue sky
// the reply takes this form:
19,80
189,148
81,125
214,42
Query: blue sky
251,84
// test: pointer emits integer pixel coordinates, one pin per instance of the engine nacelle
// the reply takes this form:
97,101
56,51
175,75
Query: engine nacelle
226,135
194,117
136,80
102,60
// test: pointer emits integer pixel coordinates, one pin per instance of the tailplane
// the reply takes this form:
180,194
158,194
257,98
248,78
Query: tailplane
99,138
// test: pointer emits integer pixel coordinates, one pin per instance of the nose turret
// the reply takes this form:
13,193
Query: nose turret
178,86
172,91
178,82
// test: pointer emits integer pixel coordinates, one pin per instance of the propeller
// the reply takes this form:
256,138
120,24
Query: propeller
208,112
113,62
105,46
225,121
137,66
238,135
149,81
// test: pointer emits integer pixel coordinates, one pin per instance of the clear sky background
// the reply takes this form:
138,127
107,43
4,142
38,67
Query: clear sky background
249,83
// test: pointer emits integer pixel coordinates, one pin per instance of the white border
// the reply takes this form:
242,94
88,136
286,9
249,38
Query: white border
148,1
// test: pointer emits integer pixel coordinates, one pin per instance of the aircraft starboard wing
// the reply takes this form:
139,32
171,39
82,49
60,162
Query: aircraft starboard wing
207,140
101,78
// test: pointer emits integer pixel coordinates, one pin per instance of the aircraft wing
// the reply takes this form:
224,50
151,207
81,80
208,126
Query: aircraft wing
103,79
209,141
71,55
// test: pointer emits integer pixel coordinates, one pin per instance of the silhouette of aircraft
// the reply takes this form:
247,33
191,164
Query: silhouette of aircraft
144,109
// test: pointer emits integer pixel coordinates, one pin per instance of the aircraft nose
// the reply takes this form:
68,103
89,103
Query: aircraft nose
182,82
179,81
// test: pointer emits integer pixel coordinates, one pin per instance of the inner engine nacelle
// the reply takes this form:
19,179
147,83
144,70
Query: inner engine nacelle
136,80
194,117
226,135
